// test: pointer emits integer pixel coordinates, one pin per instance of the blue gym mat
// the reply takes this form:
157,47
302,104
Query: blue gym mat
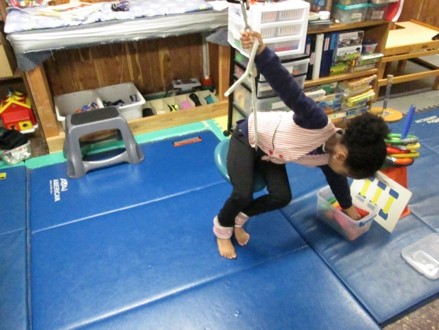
158,252
296,291
165,172
132,246
143,252
372,266
13,298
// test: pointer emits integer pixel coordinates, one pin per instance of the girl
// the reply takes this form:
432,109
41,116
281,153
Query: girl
305,136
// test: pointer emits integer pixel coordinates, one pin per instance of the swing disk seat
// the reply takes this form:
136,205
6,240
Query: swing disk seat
220,156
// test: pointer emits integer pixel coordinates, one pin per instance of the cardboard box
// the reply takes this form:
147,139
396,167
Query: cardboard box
7,67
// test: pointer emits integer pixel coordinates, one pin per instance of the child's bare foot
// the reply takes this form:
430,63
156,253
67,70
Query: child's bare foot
241,236
226,248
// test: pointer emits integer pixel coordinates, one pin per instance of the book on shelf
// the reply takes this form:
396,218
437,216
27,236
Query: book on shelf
318,56
333,53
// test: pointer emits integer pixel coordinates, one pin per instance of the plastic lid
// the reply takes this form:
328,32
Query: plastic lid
423,255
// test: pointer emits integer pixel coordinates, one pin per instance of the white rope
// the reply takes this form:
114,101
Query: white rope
250,72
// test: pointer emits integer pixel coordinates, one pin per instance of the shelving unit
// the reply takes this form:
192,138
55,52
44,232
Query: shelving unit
377,30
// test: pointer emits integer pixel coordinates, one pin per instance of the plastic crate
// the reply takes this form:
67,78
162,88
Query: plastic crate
339,221
282,46
296,67
282,30
283,25
376,11
350,14
263,89
262,13
67,104
242,97
132,101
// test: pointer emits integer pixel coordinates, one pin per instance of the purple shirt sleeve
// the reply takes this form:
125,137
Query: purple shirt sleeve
306,112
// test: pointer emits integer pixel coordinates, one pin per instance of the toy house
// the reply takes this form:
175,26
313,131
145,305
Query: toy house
16,113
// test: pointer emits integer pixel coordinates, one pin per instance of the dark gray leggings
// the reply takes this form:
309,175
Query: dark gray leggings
242,162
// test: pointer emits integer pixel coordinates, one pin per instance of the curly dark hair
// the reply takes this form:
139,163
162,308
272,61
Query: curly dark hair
364,137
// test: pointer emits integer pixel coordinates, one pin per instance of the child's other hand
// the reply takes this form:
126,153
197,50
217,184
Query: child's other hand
248,37
352,213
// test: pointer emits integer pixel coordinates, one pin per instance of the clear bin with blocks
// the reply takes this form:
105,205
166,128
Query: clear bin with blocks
330,214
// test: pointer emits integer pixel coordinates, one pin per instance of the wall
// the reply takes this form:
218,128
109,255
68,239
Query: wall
426,11
150,64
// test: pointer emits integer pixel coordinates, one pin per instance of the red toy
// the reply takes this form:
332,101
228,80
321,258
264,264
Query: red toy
16,113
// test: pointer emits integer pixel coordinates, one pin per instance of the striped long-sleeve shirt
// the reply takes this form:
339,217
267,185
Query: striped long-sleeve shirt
295,136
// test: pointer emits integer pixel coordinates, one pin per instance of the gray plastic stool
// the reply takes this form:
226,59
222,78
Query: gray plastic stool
83,123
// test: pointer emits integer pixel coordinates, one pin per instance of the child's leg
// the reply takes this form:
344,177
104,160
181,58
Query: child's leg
223,239
240,166
278,186
241,236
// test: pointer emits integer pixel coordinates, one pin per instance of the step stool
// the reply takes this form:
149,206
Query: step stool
80,124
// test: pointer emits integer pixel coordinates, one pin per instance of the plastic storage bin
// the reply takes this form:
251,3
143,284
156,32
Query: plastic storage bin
242,98
339,221
283,25
67,104
376,11
350,14
132,100
263,89
296,67
262,13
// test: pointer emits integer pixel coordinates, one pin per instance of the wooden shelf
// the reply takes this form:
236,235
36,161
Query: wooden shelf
351,26
340,77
